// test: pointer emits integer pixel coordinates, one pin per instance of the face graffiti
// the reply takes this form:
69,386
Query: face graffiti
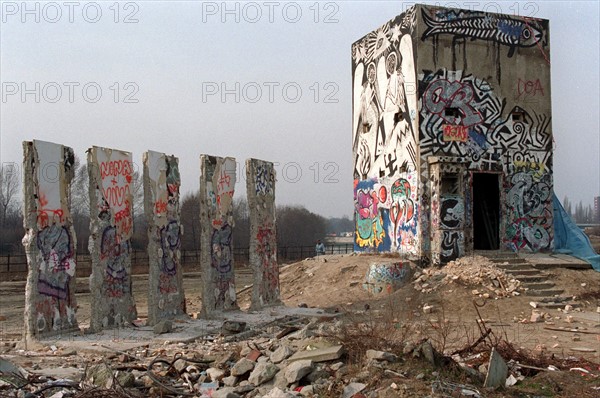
384,124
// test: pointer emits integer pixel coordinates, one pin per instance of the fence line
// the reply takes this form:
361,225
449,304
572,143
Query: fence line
17,263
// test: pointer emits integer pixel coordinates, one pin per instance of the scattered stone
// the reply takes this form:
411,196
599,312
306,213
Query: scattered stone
229,381
533,304
353,388
232,327
568,308
302,305
262,373
163,327
242,367
283,352
215,374
225,392
297,370
535,317
427,309
253,355
320,354
381,356
279,393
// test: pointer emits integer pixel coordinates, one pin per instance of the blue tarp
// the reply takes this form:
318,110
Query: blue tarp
570,239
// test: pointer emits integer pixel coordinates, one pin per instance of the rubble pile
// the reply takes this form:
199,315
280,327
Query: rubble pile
470,271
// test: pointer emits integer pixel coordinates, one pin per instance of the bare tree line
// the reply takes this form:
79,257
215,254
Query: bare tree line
296,225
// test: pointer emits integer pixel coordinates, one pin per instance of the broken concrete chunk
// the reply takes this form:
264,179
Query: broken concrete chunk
242,367
225,392
353,388
320,354
215,374
262,373
297,370
381,356
163,327
283,352
232,327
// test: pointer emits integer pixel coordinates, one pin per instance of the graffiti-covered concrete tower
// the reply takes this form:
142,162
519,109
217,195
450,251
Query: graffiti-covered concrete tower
452,140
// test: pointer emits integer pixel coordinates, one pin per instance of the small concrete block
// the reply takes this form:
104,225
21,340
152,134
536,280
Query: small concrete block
225,392
262,373
497,371
297,370
381,356
163,327
320,355
535,317
232,327
242,367
353,388
229,381
283,352
215,374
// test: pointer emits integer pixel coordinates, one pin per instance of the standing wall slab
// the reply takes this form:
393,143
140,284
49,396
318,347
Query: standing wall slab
260,185
111,224
161,205
217,185
49,240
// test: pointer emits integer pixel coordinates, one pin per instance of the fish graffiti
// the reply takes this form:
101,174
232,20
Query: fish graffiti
504,30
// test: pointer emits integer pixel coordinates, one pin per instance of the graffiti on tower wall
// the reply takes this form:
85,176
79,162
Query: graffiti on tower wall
111,176
514,141
50,238
161,189
385,136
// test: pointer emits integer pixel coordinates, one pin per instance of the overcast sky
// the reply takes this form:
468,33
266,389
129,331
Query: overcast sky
268,80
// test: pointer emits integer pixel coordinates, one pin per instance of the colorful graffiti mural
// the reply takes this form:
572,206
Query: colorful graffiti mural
386,277
386,214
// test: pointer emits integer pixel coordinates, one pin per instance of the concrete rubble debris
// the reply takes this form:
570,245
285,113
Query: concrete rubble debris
297,370
262,373
468,271
320,354
243,366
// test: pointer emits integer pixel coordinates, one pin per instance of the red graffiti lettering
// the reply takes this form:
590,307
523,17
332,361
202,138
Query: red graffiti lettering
115,168
455,133
117,196
529,88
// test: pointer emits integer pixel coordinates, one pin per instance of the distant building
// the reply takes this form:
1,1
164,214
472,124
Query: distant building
452,134
597,209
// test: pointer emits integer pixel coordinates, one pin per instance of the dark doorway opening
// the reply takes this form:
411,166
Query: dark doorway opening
486,211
